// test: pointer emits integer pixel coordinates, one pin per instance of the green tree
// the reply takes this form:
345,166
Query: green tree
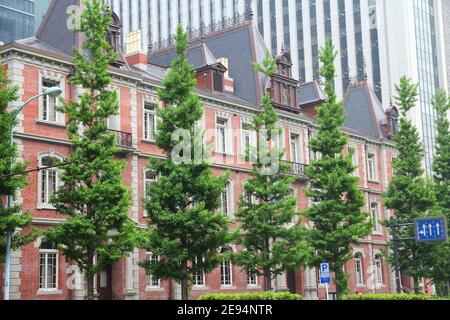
185,229
439,266
409,194
272,241
93,198
338,221
11,219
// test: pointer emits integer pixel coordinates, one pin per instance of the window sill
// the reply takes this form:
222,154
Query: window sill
227,287
200,288
154,289
45,207
249,287
49,292
373,180
148,141
360,285
220,153
377,233
50,123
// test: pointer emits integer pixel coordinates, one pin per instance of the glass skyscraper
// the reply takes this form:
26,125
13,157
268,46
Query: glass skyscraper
17,19
20,19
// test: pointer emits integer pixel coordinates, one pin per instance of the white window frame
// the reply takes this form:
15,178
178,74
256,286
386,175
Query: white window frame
378,268
49,104
46,253
225,193
58,80
150,279
372,170
146,180
146,124
225,145
247,134
359,274
355,158
41,203
281,142
223,276
295,142
375,217
196,277
252,280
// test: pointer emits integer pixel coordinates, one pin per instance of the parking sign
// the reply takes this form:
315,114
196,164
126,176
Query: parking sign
324,273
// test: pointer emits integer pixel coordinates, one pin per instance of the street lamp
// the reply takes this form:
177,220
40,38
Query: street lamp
51,92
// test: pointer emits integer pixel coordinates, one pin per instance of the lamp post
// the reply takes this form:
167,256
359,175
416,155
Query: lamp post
52,92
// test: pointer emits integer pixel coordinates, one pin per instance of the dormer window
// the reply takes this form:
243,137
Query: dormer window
113,33
218,81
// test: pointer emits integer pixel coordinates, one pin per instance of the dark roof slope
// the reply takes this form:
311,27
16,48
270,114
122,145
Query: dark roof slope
310,93
363,111
240,44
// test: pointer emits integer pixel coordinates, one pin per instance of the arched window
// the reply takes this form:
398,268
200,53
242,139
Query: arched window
48,267
113,33
378,268
359,269
152,281
48,180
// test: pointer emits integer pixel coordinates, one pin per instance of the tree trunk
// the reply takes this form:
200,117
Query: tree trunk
340,282
268,277
89,275
184,284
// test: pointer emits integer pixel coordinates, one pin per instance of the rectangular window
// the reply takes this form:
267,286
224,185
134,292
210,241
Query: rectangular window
248,140
252,280
218,81
295,148
49,180
378,270
152,281
198,279
224,204
48,269
149,121
221,135
149,177
371,166
355,160
49,112
375,215
226,273
359,270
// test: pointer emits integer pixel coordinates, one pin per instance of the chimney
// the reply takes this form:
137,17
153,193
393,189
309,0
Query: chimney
133,53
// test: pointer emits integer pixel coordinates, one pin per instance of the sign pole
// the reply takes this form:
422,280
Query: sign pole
397,264
326,288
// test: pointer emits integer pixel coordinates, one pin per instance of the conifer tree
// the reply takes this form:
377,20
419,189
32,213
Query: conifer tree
186,231
338,221
93,197
439,266
11,218
272,237
409,195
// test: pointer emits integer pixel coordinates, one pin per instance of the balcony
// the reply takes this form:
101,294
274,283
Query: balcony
124,140
297,169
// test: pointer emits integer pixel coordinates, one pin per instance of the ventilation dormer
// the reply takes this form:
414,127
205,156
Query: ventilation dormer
282,87
212,77
113,37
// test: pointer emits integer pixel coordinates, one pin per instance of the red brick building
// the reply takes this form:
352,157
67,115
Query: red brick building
231,92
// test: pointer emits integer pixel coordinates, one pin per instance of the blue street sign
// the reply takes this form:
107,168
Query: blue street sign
324,273
430,229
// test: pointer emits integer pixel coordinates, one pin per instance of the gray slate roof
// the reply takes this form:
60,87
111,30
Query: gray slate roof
240,44
363,111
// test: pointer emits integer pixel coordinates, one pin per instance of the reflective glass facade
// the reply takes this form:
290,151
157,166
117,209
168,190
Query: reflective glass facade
16,19
428,72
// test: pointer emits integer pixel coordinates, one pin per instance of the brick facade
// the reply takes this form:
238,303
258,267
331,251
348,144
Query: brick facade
125,280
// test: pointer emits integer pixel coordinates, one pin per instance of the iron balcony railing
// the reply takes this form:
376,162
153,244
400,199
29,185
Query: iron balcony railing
123,139
298,169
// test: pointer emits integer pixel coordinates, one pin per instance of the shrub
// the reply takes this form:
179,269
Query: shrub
252,296
387,297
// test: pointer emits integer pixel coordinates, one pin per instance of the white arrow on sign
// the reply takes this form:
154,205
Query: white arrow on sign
430,227
438,228
424,231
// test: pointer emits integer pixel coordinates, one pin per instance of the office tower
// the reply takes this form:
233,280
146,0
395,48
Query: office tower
16,19
20,18
40,8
